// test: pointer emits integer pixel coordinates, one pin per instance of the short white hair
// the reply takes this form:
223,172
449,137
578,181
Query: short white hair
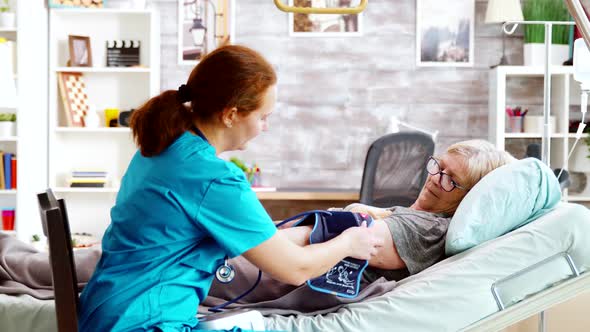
481,157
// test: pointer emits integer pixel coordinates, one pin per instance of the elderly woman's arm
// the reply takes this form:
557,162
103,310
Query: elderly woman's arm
387,257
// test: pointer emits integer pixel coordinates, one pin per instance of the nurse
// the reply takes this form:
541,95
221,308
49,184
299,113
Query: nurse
181,210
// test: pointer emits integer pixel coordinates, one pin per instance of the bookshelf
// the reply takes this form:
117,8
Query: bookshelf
8,144
124,88
565,103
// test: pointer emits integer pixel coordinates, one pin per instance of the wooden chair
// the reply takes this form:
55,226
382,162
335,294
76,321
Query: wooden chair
56,228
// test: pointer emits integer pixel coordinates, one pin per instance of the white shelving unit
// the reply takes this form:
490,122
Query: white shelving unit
103,148
8,197
564,92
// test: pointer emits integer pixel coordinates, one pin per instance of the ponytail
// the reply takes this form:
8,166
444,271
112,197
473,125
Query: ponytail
159,122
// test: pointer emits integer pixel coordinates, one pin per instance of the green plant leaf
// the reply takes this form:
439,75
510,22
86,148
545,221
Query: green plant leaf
239,163
7,117
4,6
546,10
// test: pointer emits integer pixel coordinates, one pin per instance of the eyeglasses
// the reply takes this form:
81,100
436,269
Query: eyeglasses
446,181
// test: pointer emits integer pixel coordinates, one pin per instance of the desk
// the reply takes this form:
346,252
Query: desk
287,202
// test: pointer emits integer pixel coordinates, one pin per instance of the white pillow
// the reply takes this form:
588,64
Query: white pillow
507,198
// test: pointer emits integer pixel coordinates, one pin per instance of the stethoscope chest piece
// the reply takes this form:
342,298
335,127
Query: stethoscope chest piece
225,273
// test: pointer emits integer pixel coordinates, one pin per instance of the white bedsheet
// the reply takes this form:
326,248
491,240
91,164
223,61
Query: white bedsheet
25,313
456,292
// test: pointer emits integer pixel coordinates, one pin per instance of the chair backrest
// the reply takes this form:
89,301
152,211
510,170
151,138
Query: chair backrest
395,169
56,228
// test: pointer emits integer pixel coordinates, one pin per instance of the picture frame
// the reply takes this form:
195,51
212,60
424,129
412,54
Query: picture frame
205,14
81,4
325,25
80,51
445,33
74,98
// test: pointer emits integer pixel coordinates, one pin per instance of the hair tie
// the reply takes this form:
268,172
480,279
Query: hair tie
184,93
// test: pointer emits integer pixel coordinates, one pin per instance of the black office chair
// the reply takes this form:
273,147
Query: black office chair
395,169
56,228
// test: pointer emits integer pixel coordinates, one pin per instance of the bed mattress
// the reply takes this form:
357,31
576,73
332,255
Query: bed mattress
456,292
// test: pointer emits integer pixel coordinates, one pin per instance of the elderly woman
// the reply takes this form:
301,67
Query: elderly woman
414,237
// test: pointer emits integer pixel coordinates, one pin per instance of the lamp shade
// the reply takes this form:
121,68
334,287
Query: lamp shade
500,11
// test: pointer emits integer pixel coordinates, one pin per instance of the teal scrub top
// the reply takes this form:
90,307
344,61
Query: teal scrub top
177,215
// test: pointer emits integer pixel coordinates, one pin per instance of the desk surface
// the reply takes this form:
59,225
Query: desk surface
310,194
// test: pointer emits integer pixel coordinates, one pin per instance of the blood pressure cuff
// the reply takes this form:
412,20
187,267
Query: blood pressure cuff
344,278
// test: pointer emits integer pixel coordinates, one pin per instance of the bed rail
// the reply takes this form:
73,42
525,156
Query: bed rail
496,286
562,291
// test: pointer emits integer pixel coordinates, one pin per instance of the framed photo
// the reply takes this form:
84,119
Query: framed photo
324,25
80,51
203,25
79,3
72,90
444,33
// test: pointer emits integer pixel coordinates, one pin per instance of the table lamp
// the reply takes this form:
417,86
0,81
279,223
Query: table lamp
501,11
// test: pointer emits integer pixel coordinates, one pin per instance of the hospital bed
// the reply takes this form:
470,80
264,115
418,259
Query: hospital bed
524,272
528,268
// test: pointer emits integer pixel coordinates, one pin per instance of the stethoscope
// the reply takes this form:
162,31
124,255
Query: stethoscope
225,273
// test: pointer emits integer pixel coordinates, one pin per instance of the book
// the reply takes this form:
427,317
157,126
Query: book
264,189
89,175
2,180
88,180
7,169
87,185
13,176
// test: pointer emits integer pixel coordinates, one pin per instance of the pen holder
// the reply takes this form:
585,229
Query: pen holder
515,124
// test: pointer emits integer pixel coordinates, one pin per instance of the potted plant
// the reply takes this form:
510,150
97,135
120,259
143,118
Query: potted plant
7,124
7,18
534,35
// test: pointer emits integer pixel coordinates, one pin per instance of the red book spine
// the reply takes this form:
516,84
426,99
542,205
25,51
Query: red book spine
13,175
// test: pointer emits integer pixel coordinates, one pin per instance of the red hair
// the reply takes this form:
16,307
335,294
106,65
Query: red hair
230,76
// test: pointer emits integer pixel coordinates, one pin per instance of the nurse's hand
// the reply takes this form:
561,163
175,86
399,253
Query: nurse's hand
363,242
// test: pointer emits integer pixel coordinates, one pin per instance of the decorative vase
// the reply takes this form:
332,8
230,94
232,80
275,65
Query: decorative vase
7,128
534,54
7,20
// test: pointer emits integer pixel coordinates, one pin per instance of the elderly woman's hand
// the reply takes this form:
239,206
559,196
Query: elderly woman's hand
374,212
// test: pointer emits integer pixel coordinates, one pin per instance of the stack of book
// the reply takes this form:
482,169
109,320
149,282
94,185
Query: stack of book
88,179
7,170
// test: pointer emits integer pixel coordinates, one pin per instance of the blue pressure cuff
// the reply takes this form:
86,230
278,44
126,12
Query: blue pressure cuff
344,278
